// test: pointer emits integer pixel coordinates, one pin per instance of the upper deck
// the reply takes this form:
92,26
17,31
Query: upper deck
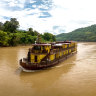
41,48
44,48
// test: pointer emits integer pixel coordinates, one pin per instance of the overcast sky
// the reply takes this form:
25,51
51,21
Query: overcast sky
54,16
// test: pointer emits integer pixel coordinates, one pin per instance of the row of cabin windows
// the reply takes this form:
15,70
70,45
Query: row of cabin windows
63,53
39,47
43,47
62,47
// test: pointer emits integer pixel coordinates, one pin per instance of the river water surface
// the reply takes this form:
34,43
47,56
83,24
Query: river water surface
75,76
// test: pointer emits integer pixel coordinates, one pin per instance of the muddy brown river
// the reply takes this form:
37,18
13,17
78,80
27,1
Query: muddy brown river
75,76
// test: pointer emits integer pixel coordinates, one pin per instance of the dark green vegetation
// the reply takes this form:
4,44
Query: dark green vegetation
81,34
10,35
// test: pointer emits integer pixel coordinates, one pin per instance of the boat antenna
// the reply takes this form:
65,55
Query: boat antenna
35,42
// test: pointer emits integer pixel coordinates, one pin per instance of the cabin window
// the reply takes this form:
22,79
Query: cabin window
43,48
37,47
35,58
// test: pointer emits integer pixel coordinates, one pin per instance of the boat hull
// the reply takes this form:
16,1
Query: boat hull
43,65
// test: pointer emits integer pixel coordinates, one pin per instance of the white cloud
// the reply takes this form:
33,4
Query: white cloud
12,3
69,14
70,11
34,6
32,1
43,6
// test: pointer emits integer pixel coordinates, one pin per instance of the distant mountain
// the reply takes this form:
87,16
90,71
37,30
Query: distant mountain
81,34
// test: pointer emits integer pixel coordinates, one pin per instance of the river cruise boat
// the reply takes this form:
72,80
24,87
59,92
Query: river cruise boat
44,55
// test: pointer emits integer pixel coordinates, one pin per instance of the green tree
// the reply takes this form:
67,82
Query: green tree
49,37
36,33
30,31
13,39
11,36
11,26
3,38
1,26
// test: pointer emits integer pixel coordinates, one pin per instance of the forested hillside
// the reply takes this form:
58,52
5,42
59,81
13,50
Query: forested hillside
10,35
81,34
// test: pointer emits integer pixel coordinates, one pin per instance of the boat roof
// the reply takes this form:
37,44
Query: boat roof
63,41
46,44
60,44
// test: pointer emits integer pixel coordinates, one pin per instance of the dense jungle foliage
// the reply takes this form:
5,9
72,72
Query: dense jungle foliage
11,35
87,34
